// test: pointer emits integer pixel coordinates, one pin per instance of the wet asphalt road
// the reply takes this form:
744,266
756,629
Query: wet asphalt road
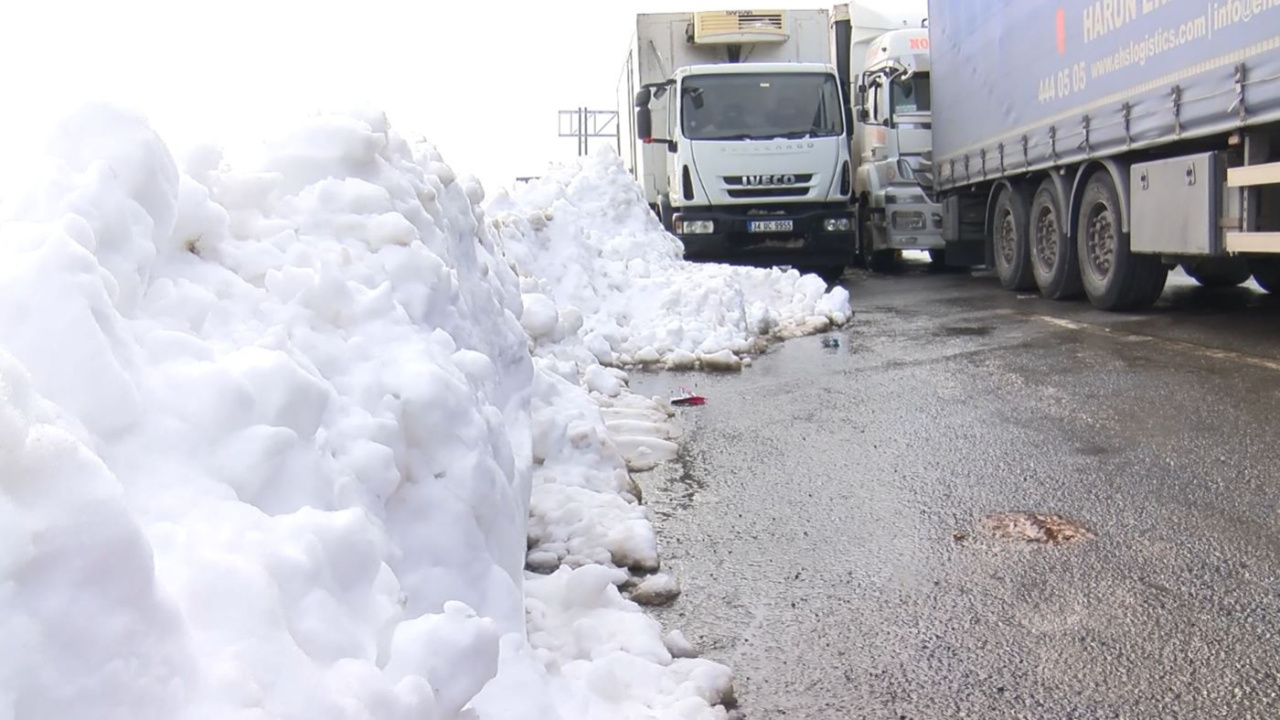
825,521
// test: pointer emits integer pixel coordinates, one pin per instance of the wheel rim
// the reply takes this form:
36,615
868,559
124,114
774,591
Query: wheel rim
1008,238
1100,240
1046,238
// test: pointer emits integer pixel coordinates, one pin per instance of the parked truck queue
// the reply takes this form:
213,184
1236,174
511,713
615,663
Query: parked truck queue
1079,153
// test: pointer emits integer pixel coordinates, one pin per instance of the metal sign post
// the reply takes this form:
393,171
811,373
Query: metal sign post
585,124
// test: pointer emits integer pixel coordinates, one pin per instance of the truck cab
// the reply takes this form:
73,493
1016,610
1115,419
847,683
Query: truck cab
894,134
755,149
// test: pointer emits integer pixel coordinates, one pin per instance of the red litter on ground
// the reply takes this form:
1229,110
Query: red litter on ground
688,399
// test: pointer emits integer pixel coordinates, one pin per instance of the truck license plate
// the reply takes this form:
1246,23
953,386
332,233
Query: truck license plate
770,226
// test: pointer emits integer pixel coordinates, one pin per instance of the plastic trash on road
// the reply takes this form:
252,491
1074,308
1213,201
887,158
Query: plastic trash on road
688,398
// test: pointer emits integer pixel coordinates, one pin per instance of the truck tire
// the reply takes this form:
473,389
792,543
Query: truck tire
1009,241
881,261
1054,262
1218,272
1114,278
1266,272
864,232
830,274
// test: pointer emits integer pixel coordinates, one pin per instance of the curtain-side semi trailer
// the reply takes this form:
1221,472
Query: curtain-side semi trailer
1089,148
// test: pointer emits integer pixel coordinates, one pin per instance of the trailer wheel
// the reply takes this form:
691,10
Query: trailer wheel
1114,278
1009,240
1053,259
1266,272
1218,272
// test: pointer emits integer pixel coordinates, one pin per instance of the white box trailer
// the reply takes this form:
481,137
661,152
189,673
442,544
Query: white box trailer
772,188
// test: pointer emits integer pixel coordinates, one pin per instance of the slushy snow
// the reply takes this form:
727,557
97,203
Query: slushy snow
281,441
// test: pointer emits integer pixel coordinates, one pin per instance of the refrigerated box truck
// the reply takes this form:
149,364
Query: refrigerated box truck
1091,147
735,125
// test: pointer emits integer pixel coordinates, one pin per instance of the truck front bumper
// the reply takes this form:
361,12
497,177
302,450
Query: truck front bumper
822,236
913,227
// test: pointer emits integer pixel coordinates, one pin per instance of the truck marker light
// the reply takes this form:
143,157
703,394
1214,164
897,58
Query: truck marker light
1062,31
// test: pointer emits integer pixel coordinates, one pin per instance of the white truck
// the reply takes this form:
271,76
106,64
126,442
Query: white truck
882,55
736,125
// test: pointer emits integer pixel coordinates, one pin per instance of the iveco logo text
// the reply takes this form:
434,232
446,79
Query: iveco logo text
761,180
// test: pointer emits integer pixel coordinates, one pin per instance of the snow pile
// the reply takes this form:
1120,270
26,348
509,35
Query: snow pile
286,478
597,251
268,444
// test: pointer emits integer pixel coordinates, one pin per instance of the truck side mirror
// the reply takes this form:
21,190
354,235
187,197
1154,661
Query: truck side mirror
644,124
863,115
644,119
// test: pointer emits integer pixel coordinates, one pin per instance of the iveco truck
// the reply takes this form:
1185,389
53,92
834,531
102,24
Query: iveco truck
882,55
736,125
1088,148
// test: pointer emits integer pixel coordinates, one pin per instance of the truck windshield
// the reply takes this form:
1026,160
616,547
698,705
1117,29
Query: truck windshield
911,96
759,106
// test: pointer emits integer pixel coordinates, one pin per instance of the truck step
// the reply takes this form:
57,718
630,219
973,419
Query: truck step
1253,175
1253,242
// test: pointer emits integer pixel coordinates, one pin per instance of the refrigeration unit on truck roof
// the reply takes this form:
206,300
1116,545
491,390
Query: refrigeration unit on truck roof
739,27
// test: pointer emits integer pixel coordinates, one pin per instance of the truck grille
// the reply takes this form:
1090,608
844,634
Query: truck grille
783,185
768,192
768,181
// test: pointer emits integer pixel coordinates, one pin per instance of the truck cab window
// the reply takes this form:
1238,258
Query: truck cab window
875,104
910,96
742,106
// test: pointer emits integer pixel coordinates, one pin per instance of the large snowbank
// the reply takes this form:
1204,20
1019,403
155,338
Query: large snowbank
273,442
586,235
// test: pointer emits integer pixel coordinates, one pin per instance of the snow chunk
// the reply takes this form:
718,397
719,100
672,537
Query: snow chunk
540,317
679,646
724,361
657,589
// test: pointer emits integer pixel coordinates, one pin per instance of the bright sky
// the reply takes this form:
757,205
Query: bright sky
482,80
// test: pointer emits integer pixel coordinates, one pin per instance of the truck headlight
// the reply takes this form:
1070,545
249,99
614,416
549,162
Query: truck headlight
695,227
908,220
836,225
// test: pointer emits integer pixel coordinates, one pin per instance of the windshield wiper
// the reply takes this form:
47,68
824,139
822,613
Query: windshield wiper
737,136
811,132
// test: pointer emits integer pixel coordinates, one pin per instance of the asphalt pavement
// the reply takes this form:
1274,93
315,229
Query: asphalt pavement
830,519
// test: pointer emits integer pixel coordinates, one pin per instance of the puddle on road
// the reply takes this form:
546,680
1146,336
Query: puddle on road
967,331
674,486
1033,528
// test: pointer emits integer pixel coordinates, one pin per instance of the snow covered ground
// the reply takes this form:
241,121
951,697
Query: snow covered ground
280,441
